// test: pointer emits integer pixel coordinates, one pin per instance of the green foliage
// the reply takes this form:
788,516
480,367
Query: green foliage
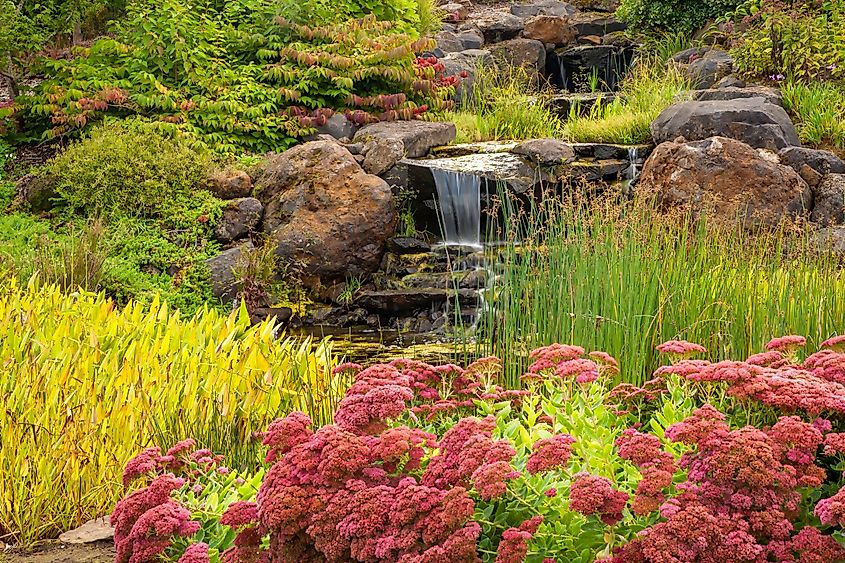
624,285
234,77
672,16
646,91
818,109
218,492
503,106
121,169
127,258
806,42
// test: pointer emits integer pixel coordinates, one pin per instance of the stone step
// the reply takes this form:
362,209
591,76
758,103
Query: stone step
400,302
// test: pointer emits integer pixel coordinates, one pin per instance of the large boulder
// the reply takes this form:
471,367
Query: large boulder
229,183
727,178
527,54
324,212
466,63
550,30
36,191
547,152
418,137
609,6
752,121
771,95
829,206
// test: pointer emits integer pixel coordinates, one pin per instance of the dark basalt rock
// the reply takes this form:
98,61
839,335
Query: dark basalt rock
751,120
400,302
222,270
407,245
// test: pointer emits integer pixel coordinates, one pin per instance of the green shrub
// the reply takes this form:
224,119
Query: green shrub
806,42
134,170
237,78
672,16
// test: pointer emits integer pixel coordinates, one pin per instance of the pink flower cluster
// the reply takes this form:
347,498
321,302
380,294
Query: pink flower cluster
740,497
680,348
147,520
656,466
627,398
568,363
181,458
465,449
513,547
338,494
550,454
772,378
592,495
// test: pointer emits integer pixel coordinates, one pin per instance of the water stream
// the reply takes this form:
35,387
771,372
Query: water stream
459,203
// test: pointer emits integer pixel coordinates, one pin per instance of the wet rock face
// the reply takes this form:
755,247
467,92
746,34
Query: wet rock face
753,121
726,178
323,211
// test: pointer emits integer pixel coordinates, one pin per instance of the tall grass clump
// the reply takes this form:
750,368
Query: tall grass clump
503,106
648,89
624,284
84,385
818,109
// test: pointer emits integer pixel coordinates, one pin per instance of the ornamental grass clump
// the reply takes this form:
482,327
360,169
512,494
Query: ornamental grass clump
85,385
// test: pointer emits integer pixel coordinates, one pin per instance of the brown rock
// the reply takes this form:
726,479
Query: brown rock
555,30
324,212
230,184
240,217
727,178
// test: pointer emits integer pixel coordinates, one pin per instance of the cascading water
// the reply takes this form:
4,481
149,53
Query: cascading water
459,202
633,172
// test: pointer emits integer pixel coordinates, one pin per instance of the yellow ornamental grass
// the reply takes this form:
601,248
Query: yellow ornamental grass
84,385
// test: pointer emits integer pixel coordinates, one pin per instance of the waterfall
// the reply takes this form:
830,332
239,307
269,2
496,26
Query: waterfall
459,201
632,173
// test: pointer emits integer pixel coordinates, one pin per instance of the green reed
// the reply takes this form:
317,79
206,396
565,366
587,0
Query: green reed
623,281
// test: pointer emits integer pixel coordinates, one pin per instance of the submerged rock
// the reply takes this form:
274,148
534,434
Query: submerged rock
324,212
727,178
752,121
408,245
